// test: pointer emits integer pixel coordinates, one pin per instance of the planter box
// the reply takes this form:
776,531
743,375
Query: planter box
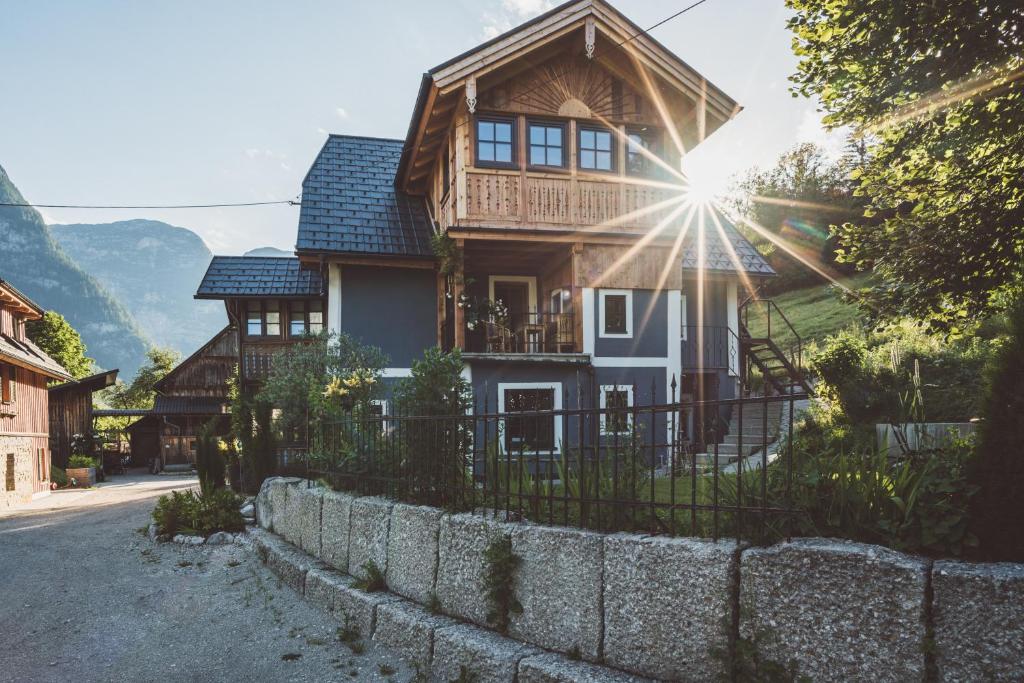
86,476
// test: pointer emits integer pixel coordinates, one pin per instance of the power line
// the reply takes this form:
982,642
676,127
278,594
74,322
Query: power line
290,202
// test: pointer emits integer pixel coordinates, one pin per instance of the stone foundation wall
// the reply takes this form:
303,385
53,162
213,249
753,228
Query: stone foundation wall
632,606
16,483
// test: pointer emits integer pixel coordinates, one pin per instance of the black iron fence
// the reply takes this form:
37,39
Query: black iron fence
703,468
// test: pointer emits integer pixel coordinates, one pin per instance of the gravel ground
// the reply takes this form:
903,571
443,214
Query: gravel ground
86,596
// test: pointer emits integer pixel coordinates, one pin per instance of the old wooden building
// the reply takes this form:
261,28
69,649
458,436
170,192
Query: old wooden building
25,371
189,396
71,412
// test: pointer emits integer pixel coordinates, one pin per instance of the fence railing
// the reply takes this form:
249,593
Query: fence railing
705,468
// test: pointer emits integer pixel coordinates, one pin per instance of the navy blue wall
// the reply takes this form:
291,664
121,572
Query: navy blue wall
650,340
391,308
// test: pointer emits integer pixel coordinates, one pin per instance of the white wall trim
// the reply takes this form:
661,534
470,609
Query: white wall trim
683,331
334,298
676,321
396,372
604,406
602,295
588,321
556,388
531,286
629,362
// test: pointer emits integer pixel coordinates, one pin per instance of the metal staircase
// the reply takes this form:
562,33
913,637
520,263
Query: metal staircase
781,371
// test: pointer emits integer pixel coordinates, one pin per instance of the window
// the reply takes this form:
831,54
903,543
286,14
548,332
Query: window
316,317
561,300
596,150
254,319
615,404
616,313
494,142
8,383
530,433
263,319
297,319
379,411
546,146
638,163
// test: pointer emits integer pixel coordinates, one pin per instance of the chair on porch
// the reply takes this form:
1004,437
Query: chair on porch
560,334
499,338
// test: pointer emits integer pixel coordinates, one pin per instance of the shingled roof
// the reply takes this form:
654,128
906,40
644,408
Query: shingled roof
24,352
256,276
350,204
718,257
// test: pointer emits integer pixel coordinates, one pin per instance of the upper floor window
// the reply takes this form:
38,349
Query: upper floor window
596,150
547,146
615,404
263,319
494,138
305,318
637,161
616,313
8,383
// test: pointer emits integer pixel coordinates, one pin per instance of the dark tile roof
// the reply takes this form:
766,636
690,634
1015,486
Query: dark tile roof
91,383
717,257
187,405
231,276
350,205
28,353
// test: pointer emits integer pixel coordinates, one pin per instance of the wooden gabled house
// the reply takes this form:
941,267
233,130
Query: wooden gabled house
25,371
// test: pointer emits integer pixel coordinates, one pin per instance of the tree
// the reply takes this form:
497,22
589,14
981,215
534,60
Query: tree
140,393
936,85
61,342
799,198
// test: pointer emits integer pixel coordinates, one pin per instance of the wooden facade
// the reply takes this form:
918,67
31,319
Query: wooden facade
70,409
25,371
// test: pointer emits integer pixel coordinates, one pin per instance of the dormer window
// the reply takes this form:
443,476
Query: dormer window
597,152
547,146
494,142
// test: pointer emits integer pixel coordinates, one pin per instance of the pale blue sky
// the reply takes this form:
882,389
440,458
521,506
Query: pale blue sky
108,102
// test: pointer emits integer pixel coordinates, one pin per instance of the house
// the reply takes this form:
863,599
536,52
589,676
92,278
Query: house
25,371
71,412
188,397
577,270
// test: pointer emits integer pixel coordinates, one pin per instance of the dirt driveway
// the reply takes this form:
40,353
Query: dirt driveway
85,596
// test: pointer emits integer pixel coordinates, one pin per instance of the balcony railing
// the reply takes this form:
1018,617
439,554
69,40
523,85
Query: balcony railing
524,333
710,347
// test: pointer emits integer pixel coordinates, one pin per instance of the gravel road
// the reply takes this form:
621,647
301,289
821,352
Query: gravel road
86,596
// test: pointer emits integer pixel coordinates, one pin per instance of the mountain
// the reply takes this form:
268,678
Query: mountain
153,269
34,263
268,251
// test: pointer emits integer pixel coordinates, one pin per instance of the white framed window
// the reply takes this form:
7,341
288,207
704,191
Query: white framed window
616,401
379,411
615,312
532,433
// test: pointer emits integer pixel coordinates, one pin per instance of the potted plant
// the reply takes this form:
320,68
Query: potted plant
81,470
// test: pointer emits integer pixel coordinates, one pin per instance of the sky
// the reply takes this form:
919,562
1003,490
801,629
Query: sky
193,102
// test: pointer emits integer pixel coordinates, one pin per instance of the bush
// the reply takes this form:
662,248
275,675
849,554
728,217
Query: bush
202,514
58,476
81,461
435,388
210,461
998,513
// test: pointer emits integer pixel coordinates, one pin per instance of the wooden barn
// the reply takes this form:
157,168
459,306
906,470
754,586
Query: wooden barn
188,397
71,412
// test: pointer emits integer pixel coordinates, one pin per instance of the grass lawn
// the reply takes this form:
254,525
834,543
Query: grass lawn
815,312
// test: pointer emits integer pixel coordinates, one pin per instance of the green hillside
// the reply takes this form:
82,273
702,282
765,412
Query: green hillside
31,261
815,312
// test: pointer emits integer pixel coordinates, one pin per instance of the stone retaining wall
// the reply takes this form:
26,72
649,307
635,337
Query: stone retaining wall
634,606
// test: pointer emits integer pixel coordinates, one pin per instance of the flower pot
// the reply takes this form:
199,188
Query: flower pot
85,476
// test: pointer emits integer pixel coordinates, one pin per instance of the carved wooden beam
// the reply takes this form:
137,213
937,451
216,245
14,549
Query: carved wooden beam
590,37
471,94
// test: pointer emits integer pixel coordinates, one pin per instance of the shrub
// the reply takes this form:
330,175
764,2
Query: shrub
435,388
77,461
199,514
210,461
58,476
999,467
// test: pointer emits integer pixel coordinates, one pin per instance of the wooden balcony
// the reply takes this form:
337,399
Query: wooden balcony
548,200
